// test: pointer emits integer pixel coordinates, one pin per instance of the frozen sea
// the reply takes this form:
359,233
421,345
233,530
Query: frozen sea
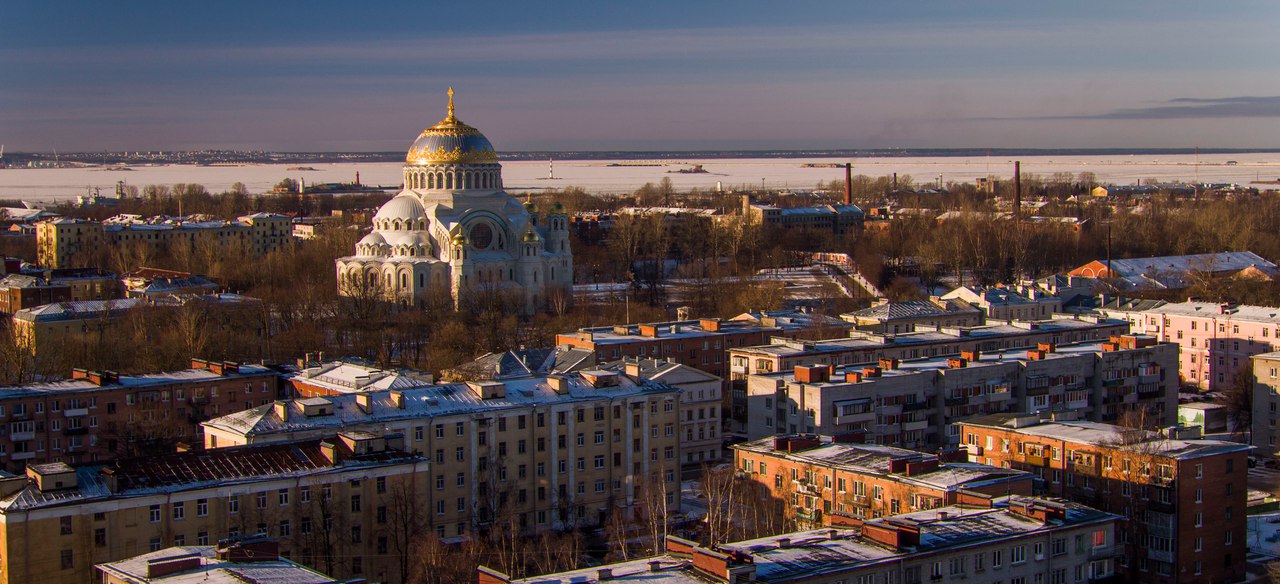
611,177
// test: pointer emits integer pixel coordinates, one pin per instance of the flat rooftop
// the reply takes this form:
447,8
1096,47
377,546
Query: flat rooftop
873,459
1107,435
864,341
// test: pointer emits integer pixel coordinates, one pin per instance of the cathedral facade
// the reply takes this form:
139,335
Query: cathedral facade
452,227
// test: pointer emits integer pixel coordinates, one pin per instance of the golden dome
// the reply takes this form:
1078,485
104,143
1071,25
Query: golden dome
451,142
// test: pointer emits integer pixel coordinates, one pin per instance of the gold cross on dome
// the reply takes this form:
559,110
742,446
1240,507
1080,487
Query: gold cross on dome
451,102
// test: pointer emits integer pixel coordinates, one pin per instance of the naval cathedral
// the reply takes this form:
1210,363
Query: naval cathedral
453,226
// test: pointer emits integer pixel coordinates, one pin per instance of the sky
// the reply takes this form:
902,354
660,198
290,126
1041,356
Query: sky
655,75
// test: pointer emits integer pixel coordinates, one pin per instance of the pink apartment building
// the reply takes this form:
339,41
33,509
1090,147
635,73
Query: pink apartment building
1216,340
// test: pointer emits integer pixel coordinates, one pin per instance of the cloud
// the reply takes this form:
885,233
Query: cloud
1183,108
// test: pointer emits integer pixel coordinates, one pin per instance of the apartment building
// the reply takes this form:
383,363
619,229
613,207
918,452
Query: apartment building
835,481
859,347
702,344
1182,499
916,403
72,243
331,504
541,452
19,291
63,326
1177,272
1217,340
234,561
1021,302
1266,404
1013,539
701,432
905,317
98,416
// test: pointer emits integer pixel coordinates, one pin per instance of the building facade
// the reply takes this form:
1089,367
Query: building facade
330,504
1266,404
539,453
454,230
73,243
834,482
701,405
1216,340
917,403
99,416
1183,499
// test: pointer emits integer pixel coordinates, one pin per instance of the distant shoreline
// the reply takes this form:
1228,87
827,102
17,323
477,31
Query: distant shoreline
232,157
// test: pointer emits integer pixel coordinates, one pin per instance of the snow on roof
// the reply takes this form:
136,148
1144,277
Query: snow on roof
212,570
809,554
865,341
1242,312
897,310
141,380
873,459
348,376
424,403
185,471
1108,435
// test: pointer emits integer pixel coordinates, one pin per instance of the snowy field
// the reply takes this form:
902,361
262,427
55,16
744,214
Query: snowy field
598,176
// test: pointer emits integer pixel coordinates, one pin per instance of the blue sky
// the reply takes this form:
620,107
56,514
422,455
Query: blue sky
632,75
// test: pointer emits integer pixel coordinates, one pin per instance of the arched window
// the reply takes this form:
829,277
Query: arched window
448,180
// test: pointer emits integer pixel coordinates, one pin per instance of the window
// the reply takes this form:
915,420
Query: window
304,494
262,500
355,503
1018,554
179,511
154,513
233,504
68,561
283,496
355,534
64,524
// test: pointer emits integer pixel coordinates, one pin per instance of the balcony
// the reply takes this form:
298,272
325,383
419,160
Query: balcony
860,418
956,401
1159,556
23,455
890,410
1106,551
1037,391
916,406
1113,382
22,436
72,413
1035,460
913,426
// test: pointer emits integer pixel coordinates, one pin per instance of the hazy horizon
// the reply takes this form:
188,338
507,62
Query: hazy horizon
328,76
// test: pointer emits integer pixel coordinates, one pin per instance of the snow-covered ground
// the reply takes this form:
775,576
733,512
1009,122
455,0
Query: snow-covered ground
599,176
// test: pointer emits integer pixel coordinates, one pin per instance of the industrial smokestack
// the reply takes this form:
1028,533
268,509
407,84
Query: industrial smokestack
848,183
1017,190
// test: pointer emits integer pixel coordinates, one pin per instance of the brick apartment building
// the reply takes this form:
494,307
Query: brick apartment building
1012,539
916,403
331,504
99,416
19,291
1217,340
832,482
1183,499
